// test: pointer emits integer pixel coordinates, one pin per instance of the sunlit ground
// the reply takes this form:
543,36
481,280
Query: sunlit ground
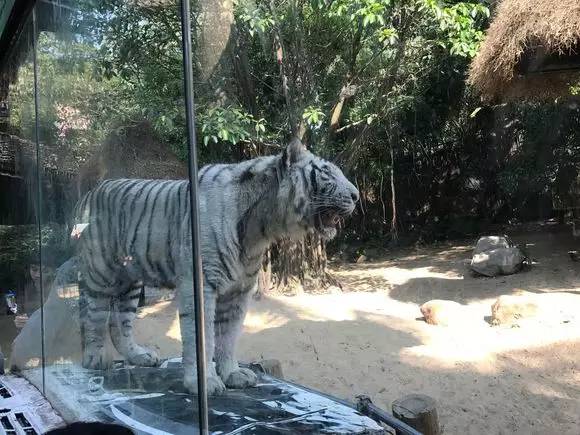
475,340
369,339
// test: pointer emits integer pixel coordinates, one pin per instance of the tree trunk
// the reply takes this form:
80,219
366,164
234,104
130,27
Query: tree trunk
347,90
291,265
419,412
297,266
394,232
243,78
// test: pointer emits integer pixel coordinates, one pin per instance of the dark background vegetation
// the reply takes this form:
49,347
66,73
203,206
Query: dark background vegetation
377,85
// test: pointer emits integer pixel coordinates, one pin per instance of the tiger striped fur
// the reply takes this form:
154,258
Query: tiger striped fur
138,231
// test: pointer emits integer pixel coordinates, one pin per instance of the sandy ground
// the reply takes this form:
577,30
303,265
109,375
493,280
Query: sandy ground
367,340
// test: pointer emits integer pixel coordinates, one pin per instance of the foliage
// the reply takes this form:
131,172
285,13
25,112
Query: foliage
229,125
377,84
461,24
313,117
20,249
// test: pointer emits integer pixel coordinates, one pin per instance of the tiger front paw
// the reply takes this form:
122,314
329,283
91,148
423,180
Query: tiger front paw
146,358
215,385
241,378
94,360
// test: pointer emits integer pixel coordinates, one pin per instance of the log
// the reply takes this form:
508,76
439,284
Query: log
444,313
419,412
272,367
510,309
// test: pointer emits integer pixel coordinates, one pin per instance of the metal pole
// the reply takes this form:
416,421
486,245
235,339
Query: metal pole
195,233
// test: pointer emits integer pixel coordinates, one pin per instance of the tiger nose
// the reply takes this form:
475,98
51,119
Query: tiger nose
354,195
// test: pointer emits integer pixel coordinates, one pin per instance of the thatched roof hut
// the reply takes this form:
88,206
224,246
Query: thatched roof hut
532,51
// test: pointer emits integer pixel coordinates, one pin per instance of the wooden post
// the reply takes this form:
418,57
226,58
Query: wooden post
419,412
142,297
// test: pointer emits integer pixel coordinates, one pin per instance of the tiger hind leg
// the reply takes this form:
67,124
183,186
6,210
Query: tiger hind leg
121,329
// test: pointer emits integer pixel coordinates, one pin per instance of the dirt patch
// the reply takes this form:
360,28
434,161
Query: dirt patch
367,340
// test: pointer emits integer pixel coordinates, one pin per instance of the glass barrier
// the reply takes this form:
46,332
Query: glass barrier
114,215
388,201
456,121
21,273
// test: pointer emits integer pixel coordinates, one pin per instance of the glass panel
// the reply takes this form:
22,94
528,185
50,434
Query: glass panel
20,273
115,214
444,147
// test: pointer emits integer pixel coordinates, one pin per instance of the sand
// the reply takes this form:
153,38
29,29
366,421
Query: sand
368,339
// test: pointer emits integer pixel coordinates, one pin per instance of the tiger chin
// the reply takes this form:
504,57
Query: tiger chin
138,231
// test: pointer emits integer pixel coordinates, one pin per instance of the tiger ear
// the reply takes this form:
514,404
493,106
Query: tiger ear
293,152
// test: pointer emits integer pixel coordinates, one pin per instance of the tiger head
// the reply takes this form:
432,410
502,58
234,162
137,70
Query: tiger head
315,192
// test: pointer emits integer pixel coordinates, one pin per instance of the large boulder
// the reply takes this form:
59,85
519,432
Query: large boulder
62,337
489,243
496,255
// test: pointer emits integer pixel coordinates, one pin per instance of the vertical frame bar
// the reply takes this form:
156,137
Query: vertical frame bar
38,189
194,209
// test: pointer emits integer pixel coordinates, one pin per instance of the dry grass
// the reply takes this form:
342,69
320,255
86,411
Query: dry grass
517,26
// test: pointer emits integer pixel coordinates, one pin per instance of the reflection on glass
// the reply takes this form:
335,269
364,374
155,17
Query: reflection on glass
20,266
387,90
110,113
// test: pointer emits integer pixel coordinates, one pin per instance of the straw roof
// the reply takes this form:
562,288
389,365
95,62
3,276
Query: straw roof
524,33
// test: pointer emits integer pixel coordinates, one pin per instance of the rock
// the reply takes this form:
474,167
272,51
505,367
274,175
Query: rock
500,261
488,243
508,309
62,336
496,255
361,259
442,312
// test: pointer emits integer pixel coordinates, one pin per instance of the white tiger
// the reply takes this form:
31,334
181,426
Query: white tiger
138,231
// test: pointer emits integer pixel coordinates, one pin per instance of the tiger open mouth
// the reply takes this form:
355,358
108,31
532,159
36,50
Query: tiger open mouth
327,221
